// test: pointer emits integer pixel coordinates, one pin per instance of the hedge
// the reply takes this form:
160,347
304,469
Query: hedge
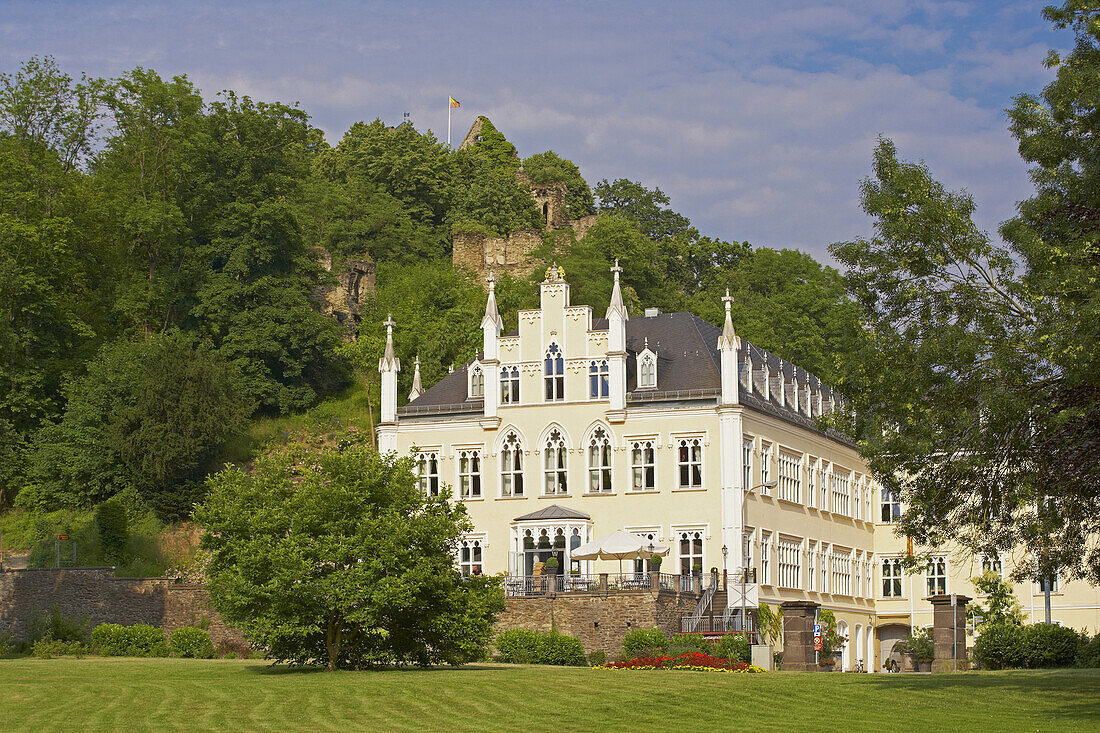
139,640
191,642
523,646
1001,646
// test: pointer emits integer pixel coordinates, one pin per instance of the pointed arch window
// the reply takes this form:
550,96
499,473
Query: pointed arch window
469,474
642,466
428,470
511,466
597,379
509,385
599,462
477,381
469,556
555,465
554,374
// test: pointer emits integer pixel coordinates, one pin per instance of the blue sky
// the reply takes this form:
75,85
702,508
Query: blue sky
757,118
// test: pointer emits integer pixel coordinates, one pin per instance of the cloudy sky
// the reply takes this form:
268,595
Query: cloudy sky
757,118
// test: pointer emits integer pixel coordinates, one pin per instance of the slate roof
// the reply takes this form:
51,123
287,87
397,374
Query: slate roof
554,511
688,367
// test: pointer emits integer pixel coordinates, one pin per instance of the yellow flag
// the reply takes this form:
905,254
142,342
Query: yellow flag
454,103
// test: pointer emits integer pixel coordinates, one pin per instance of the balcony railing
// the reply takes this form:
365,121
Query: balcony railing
539,585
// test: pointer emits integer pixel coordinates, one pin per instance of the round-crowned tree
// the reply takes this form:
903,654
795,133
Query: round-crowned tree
327,553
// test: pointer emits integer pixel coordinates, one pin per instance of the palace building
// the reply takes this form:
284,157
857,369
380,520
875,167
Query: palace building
663,425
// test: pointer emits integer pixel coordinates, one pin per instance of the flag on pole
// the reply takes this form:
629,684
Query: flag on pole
454,103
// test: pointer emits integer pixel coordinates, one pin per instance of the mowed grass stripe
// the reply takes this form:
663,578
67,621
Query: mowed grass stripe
177,694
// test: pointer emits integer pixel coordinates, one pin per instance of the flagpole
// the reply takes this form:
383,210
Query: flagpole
449,122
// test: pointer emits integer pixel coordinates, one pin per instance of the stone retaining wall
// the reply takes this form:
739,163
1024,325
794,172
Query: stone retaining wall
97,595
599,621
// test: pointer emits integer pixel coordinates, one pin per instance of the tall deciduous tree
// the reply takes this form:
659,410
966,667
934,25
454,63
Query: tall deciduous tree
332,555
549,167
153,414
978,379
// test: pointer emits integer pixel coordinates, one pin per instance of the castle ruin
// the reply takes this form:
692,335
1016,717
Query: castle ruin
479,253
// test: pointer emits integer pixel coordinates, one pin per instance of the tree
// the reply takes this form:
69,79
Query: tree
330,554
549,167
152,414
646,208
770,623
1001,606
989,430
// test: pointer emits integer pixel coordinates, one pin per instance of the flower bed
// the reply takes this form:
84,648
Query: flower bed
696,661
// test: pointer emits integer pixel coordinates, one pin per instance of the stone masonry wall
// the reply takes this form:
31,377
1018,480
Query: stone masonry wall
96,594
480,253
600,622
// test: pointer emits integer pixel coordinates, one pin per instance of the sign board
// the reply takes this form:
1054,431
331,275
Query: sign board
817,629
817,643
63,537
751,599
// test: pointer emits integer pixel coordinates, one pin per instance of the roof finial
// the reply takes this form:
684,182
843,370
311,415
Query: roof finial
729,339
616,308
389,360
417,386
492,315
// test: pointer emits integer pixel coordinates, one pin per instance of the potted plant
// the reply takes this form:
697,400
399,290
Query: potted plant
655,563
552,565
826,664
919,650
696,569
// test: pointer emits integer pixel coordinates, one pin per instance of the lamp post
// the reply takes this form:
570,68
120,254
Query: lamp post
745,568
725,581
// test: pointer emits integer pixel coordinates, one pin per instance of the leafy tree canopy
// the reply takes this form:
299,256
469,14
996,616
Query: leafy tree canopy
151,414
648,209
332,555
990,428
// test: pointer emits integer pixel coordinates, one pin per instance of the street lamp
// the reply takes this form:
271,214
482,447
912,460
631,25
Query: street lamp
745,568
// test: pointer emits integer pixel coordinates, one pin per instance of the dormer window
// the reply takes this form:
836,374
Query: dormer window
477,382
647,368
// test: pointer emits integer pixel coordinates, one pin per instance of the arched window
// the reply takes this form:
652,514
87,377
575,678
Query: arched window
509,385
554,464
642,466
647,371
599,463
689,461
469,557
511,466
597,379
469,474
554,374
691,552
477,381
428,470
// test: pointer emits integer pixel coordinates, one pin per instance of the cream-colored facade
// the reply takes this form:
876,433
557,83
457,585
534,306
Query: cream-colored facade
663,425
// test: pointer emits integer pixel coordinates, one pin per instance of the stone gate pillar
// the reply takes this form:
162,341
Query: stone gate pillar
949,632
798,635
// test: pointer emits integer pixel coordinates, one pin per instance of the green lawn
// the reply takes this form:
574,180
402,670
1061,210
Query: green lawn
136,694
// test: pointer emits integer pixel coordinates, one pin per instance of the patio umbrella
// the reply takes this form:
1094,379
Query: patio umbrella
620,545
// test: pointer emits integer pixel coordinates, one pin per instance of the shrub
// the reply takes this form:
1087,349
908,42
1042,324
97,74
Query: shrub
1088,655
999,646
191,642
684,643
645,643
599,657
232,650
734,647
8,644
49,648
1046,645
139,640
523,646
56,626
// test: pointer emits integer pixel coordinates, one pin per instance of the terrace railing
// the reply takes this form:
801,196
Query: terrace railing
540,585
